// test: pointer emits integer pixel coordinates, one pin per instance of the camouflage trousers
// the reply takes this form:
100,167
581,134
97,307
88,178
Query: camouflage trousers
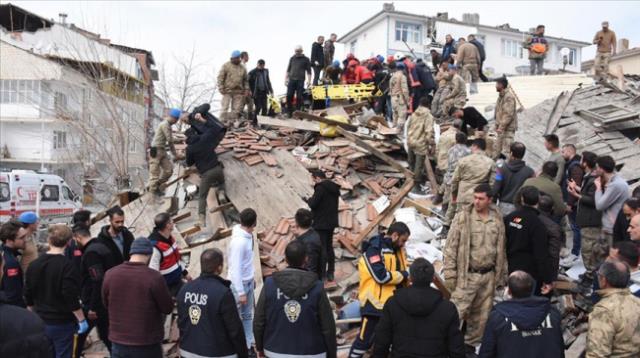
236,102
471,76
29,254
160,170
502,145
438,101
595,248
601,65
474,303
399,107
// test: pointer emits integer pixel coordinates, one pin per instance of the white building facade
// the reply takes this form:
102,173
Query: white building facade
383,34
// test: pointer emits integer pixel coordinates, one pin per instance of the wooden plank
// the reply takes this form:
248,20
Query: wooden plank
385,158
395,201
305,115
222,207
289,123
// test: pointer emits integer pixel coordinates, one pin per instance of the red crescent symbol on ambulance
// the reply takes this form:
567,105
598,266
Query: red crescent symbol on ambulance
19,191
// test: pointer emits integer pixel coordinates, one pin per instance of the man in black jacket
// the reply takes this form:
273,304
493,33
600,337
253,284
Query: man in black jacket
310,238
203,137
293,315
483,55
260,85
207,316
317,59
557,237
21,331
324,206
509,178
418,322
13,237
96,260
470,118
116,237
298,69
524,326
427,83
528,242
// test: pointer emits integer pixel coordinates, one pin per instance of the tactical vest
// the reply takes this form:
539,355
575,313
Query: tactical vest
294,328
170,260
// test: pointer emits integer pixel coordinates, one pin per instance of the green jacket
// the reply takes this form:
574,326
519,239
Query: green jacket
545,184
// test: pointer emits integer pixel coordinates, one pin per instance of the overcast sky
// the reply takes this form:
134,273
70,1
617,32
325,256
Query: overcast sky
271,29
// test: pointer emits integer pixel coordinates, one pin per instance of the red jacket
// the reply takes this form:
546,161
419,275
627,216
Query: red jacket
362,74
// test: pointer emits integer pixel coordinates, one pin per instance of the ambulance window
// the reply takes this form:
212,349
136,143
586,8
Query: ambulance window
50,193
66,193
4,192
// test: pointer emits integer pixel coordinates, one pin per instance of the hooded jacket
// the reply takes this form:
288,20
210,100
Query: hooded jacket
115,255
418,322
315,252
425,77
294,317
324,205
523,328
21,332
201,145
509,179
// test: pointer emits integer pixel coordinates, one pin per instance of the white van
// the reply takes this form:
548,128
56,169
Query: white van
46,194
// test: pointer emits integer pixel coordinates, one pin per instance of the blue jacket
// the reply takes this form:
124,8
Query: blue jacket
447,50
208,319
12,283
527,327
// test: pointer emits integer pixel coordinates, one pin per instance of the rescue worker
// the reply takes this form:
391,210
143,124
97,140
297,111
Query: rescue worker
166,255
383,269
606,41
455,153
330,49
475,262
233,84
468,58
443,79
160,166
399,91
446,141
13,237
332,73
506,119
207,316
538,47
614,323
471,171
317,59
457,96
421,142
30,222
363,74
294,317
349,74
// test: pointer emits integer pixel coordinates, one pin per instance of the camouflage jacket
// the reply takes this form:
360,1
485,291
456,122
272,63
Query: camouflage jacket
446,141
506,112
458,90
614,325
420,133
455,153
162,139
232,79
398,85
457,251
472,170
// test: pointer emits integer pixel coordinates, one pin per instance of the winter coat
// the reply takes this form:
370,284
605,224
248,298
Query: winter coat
524,328
307,326
22,333
472,118
506,112
509,179
417,322
420,133
480,47
315,252
620,228
528,244
253,81
546,185
329,50
299,65
201,146
324,205
472,170
317,55
532,42
96,260
573,171
398,85
468,55
115,256
448,49
557,240
587,214
447,140
614,325
425,77
232,79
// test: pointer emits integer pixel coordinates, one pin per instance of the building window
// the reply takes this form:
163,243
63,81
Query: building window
59,140
133,147
19,91
572,58
408,32
352,47
67,194
512,48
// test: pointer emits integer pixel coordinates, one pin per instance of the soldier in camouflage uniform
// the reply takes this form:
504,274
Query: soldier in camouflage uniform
446,141
160,166
471,171
475,261
443,79
457,152
421,141
399,92
233,84
506,119
457,97
614,323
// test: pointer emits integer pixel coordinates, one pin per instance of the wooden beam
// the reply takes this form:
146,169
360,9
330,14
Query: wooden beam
181,216
431,175
221,207
406,188
375,151
190,231
313,117
289,123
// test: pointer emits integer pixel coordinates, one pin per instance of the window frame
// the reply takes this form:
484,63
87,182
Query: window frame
410,32
60,139
55,197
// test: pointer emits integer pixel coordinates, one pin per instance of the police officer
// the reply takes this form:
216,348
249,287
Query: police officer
207,316
294,316
382,268
13,237
160,166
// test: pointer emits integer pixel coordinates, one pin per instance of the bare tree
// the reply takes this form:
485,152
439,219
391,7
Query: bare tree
190,83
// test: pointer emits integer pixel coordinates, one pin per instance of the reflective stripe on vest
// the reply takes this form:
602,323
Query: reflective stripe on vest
270,354
170,256
185,354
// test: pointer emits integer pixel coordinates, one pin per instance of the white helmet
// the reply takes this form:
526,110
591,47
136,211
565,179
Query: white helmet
398,56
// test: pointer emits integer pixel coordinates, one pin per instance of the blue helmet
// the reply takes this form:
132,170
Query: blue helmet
175,113
28,217
235,54
400,64
336,63
380,58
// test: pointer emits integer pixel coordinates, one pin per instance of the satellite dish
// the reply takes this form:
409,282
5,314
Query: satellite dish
565,51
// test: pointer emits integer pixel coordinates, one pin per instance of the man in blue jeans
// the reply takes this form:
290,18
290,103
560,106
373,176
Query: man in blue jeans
242,273
298,69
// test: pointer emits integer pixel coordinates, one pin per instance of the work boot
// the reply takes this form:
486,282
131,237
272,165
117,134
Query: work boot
202,220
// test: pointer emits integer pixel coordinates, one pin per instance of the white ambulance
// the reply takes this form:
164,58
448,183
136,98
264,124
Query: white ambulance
46,194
